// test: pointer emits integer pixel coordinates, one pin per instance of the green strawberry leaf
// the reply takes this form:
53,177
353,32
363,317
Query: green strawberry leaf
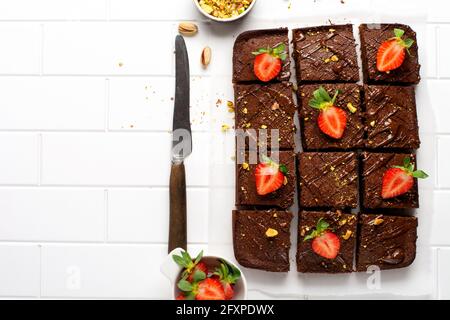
420,174
406,161
399,32
199,276
321,227
283,169
199,257
322,99
189,296
179,261
184,285
408,43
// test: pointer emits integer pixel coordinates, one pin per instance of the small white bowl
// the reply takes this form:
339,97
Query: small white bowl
172,271
227,19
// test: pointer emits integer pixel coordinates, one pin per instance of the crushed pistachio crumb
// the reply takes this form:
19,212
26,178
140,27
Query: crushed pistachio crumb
351,107
270,233
225,127
327,60
334,58
372,124
245,111
245,166
285,181
275,106
347,235
263,126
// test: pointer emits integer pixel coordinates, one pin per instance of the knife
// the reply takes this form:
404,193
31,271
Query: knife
181,148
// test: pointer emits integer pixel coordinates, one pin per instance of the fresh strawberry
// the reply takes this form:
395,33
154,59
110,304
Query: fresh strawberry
392,52
324,242
210,289
201,266
269,176
190,265
399,180
332,120
228,275
268,62
181,296
326,245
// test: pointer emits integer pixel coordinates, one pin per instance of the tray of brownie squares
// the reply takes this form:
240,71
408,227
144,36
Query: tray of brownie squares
331,149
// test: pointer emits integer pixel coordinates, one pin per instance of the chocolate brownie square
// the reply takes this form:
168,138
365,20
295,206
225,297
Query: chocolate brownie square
372,36
250,41
387,242
349,100
262,239
328,179
265,110
374,165
246,191
342,225
391,118
325,54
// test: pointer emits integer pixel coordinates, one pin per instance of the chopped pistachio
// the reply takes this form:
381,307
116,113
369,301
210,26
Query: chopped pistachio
327,60
347,235
372,124
224,9
285,181
263,126
245,166
225,127
270,233
245,111
334,58
275,106
351,108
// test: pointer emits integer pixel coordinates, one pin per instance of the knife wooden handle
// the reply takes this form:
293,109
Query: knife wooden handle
177,222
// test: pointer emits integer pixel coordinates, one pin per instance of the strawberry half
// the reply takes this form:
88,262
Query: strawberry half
268,62
324,242
210,289
201,266
332,120
399,180
392,52
269,176
181,297
228,275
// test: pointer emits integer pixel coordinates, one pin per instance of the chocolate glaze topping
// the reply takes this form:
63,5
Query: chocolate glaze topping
325,53
253,248
388,244
328,179
374,165
267,106
343,225
391,118
372,36
250,41
312,137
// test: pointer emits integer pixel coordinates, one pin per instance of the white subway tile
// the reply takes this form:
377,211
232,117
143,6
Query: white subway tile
443,151
146,10
108,48
148,103
19,270
429,52
52,103
438,11
439,106
444,273
52,9
118,159
105,271
19,158
34,214
21,48
440,218
142,215
444,49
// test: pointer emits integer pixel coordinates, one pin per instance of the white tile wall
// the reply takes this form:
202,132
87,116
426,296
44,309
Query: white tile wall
86,91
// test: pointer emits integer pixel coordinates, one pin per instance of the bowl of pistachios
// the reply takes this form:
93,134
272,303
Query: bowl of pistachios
224,10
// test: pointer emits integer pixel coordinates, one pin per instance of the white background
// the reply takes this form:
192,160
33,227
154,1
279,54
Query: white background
85,119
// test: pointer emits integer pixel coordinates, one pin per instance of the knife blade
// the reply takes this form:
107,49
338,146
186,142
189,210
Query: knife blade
181,148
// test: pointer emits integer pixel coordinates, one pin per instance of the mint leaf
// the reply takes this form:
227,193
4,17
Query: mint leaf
420,174
399,33
184,285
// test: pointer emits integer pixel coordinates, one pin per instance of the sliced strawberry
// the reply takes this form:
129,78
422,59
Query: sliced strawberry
229,291
392,52
201,266
399,180
181,297
326,245
266,67
268,62
332,121
210,289
269,176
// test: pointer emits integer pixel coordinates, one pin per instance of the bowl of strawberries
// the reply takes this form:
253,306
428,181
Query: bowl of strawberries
203,277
